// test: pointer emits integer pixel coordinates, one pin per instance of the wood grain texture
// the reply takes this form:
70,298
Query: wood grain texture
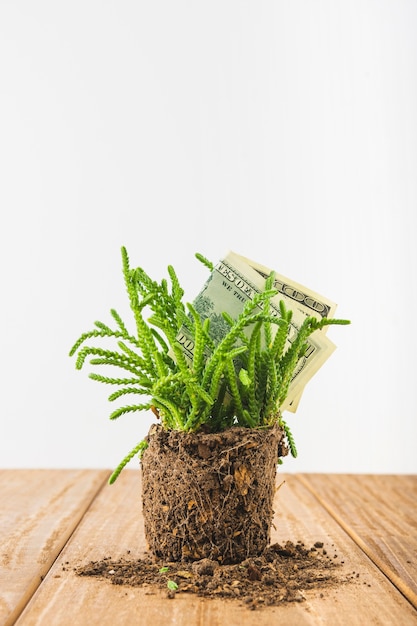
380,514
113,526
38,512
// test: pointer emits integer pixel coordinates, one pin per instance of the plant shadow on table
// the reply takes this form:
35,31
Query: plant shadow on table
282,574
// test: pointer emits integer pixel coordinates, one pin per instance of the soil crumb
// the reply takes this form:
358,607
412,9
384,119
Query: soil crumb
283,573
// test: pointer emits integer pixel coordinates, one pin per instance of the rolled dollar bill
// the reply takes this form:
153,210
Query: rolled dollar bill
234,281
307,302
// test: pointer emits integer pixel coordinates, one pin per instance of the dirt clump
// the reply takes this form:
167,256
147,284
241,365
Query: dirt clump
282,574
210,495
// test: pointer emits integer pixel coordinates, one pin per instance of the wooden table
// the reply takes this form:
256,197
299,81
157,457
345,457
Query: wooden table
54,520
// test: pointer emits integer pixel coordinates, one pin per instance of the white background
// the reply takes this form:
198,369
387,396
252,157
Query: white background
286,131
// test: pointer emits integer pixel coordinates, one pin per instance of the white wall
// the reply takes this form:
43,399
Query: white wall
286,131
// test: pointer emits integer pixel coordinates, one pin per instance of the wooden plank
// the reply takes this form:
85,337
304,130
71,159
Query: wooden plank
379,512
114,526
39,511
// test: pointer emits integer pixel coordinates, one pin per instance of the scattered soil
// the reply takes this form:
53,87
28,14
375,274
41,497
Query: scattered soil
210,495
282,574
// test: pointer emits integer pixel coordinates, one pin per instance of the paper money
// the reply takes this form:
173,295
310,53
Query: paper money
233,282
307,302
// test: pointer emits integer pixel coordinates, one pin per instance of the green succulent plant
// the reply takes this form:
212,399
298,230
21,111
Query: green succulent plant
241,380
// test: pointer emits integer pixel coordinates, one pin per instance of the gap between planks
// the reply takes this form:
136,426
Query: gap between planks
396,580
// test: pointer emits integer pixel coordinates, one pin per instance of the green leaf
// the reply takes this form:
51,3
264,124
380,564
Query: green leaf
244,377
172,585
204,261
138,449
